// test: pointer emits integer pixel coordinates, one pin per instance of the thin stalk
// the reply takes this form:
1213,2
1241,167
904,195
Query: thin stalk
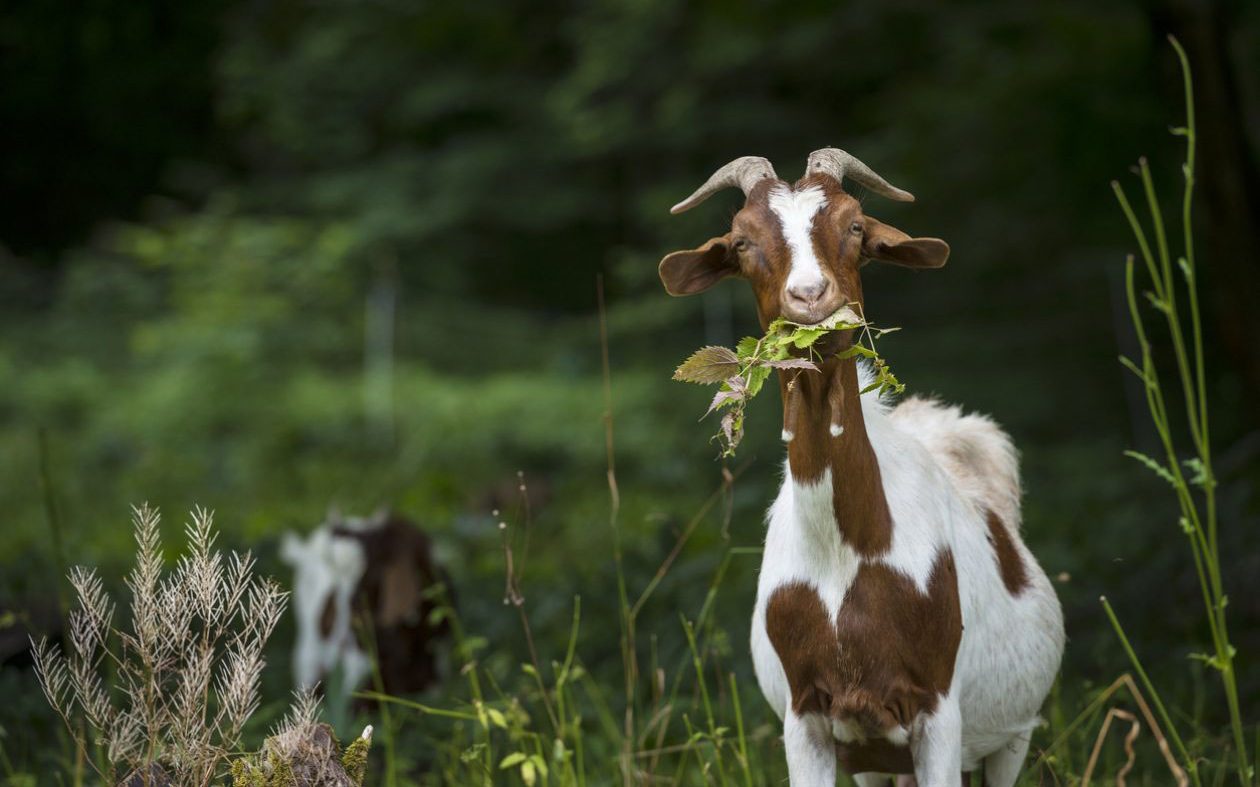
1169,299
739,731
427,710
474,686
1205,454
629,662
1140,235
49,496
698,664
367,631
1201,527
1192,767
696,519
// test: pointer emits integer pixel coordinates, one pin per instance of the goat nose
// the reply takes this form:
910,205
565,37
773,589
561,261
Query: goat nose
809,293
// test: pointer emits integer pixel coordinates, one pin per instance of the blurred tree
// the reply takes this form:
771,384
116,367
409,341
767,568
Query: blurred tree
100,100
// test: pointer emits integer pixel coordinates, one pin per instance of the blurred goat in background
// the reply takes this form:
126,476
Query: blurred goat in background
364,584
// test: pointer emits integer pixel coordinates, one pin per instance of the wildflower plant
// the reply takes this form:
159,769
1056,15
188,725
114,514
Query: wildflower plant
164,695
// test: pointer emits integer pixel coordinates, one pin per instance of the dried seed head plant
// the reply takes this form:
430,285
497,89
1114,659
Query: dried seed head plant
166,694
304,751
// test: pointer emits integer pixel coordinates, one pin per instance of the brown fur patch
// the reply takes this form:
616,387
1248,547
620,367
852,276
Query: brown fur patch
390,598
874,756
888,656
328,617
1010,564
858,500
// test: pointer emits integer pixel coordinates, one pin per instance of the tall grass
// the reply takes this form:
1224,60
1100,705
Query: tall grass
676,723
1188,474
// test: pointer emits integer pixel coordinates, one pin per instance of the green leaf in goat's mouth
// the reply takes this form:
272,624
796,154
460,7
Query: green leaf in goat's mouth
741,373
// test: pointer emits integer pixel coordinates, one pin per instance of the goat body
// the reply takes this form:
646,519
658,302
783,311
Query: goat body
901,625
374,571
951,629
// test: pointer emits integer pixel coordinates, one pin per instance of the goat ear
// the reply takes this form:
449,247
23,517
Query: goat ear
696,270
889,244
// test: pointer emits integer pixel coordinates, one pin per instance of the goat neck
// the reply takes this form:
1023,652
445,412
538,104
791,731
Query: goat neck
825,430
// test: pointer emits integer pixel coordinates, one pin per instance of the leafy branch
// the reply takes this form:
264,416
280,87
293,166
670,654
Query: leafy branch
741,373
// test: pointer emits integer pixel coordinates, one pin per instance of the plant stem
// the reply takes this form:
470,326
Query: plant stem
628,657
1199,523
1191,765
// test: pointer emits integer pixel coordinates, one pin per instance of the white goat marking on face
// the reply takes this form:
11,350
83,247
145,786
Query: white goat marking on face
796,211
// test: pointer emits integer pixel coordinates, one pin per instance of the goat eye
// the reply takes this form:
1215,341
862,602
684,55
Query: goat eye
741,244
856,228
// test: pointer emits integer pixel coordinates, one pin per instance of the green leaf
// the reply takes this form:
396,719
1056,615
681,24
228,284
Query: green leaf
471,645
513,759
857,349
539,763
756,378
747,347
724,398
497,718
708,365
778,325
1216,661
1198,473
805,337
528,774
1155,467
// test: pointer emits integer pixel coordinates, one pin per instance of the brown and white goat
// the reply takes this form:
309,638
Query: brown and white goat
901,625
373,572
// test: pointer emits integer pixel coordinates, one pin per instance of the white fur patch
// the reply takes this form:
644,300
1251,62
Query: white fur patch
803,545
796,211
326,569
940,469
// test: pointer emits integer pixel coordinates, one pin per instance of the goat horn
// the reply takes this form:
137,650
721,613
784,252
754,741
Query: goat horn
744,172
838,164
